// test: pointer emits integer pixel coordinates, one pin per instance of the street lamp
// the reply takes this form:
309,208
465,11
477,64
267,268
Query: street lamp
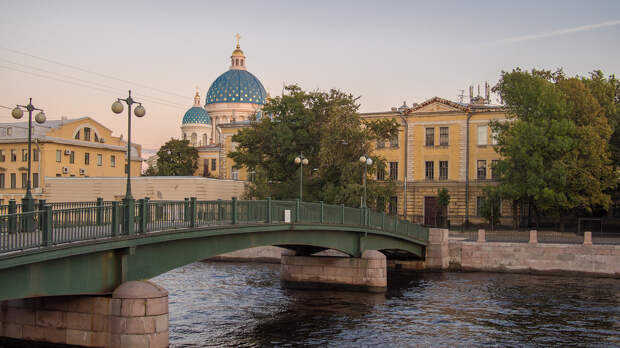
17,113
117,108
367,162
128,201
301,160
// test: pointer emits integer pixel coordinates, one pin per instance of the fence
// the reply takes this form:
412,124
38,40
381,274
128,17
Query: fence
58,223
549,229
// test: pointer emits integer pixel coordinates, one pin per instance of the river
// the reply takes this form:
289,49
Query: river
215,304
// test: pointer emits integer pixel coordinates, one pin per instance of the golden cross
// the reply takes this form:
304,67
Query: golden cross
238,38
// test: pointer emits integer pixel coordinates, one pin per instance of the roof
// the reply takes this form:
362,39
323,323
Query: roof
236,86
197,114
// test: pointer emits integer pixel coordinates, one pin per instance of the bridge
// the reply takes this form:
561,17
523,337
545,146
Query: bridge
69,252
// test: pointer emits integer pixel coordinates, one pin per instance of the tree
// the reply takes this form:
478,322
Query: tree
326,128
443,199
554,148
177,158
491,205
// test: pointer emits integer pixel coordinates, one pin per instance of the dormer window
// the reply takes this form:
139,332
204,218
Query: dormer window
77,135
96,138
87,134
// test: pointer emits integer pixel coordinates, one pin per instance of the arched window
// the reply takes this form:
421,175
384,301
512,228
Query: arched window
194,138
205,140
184,136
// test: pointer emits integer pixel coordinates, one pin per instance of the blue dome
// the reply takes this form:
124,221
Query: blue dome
236,86
197,115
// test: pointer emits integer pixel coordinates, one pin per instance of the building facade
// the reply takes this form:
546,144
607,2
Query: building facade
441,144
79,147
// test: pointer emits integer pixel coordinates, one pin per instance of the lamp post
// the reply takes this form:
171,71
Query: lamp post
367,161
301,160
17,113
139,111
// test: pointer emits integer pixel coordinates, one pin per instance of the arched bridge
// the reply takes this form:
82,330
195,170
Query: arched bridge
91,248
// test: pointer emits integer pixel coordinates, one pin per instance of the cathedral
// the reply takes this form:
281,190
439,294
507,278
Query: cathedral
233,99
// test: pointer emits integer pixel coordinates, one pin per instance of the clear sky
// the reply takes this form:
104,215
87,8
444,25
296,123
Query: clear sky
75,57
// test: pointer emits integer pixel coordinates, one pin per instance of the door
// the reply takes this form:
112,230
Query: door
430,211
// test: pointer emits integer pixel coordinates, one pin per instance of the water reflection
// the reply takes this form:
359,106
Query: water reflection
242,305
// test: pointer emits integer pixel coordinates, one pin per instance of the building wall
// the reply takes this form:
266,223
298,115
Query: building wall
154,187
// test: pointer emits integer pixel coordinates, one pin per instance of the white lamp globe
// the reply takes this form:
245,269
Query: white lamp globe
17,113
305,161
363,159
40,117
117,107
369,161
297,160
139,111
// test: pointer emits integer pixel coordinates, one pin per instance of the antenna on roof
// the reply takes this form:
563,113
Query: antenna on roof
487,92
461,95
471,93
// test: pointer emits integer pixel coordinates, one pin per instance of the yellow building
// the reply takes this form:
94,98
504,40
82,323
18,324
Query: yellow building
79,147
442,144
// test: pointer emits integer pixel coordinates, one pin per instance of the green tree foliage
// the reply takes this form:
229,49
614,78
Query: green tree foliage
327,129
491,205
177,158
555,146
443,199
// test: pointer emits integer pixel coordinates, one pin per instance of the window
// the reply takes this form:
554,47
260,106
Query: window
58,175
13,180
86,158
1,180
430,170
35,180
234,173
213,164
394,141
35,155
430,136
125,168
2,156
394,170
233,146
380,143
479,205
482,135
13,155
443,170
205,141
9,131
77,135
24,179
443,136
112,161
494,169
72,157
58,155
493,137
393,205
194,139
381,173
87,134
96,138
482,169
99,159
24,155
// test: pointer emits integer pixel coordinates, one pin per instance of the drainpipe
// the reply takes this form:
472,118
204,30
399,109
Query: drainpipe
406,158
469,115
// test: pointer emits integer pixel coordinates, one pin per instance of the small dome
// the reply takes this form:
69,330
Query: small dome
196,114
236,86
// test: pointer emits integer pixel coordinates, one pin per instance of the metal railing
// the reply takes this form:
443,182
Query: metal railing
60,223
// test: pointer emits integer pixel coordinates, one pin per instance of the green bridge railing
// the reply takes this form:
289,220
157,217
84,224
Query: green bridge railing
58,223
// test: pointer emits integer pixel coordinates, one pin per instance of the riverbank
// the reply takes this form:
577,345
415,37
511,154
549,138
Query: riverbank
446,254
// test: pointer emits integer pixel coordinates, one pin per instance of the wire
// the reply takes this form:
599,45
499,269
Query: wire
91,72
106,89
6,107
88,82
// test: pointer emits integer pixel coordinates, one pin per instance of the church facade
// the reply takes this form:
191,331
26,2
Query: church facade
233,99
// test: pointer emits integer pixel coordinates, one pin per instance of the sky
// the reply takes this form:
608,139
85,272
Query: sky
74,58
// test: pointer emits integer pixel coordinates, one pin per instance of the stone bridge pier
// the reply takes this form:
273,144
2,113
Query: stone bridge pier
136,315
367,273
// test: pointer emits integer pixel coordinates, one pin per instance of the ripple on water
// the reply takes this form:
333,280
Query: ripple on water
242,305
